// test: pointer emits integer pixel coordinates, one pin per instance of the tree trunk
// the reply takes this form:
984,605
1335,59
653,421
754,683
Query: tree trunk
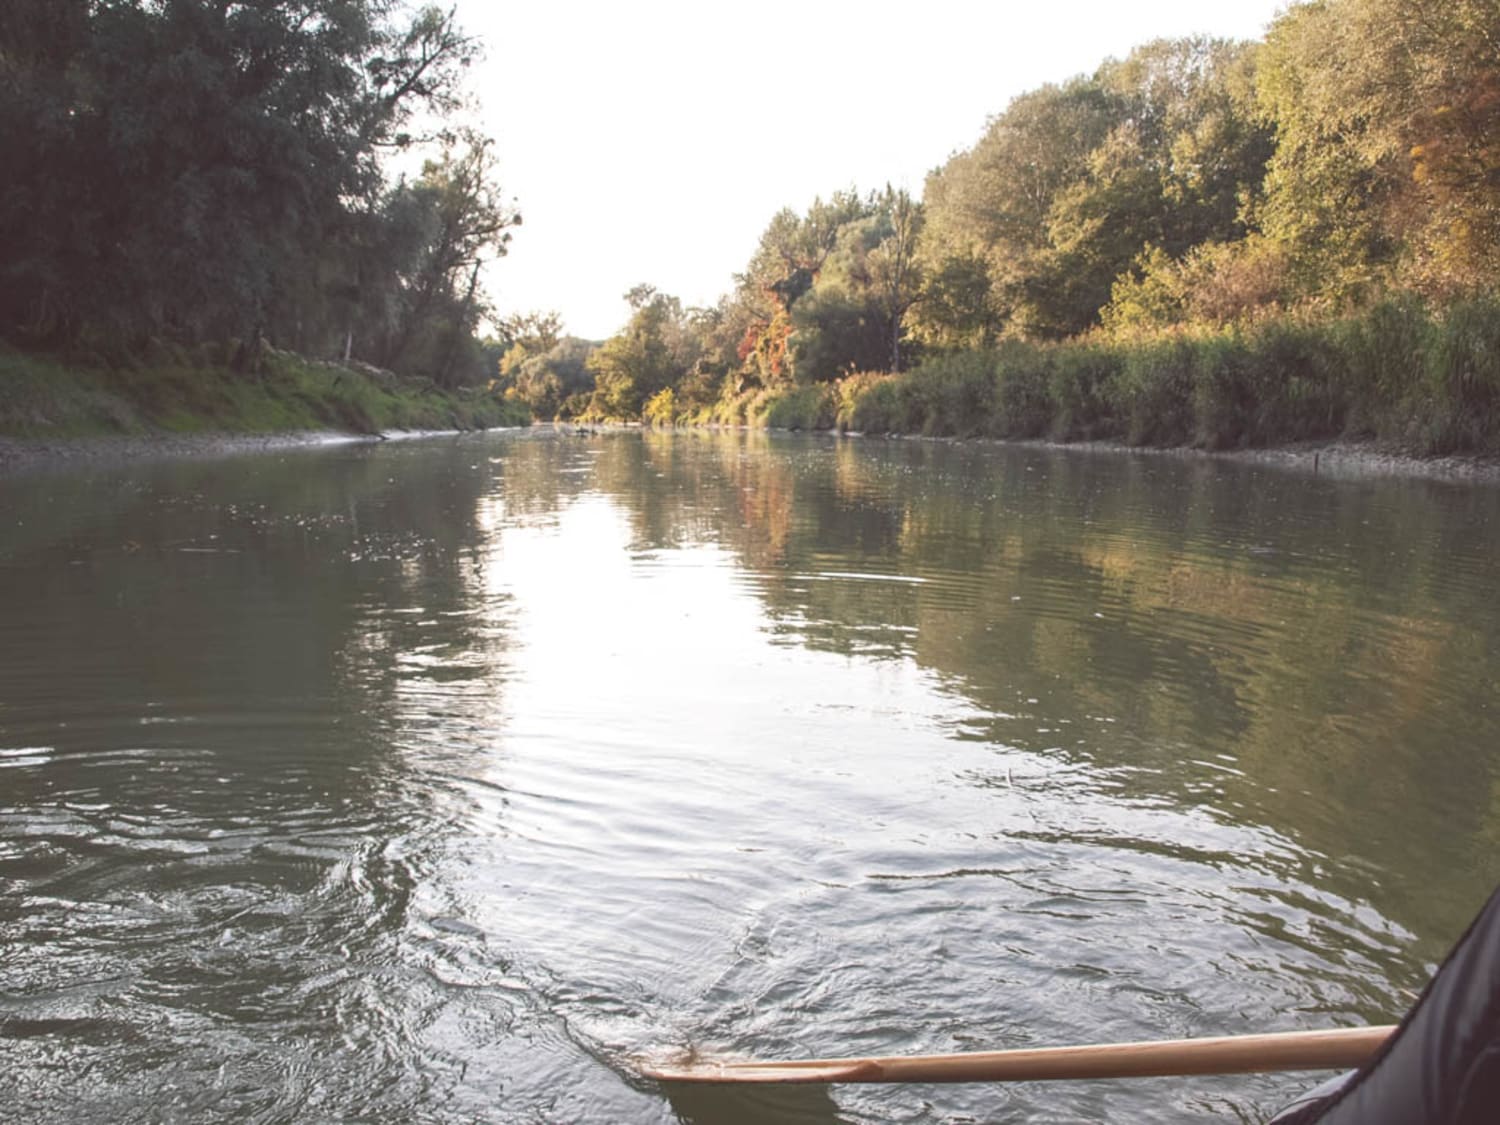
461,326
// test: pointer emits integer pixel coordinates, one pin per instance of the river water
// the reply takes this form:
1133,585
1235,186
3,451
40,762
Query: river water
437,781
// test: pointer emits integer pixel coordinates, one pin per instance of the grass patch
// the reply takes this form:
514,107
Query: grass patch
176,392
40,397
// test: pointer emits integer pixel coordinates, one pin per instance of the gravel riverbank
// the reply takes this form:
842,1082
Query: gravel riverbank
19,455
30,454
1339,460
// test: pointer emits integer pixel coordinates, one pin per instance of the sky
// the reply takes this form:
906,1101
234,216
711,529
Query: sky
653,140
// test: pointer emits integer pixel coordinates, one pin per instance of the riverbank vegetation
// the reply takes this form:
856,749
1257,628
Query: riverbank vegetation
195,191
1208,243
178,391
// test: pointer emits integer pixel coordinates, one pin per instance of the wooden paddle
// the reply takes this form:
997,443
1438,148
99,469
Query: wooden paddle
1235,1054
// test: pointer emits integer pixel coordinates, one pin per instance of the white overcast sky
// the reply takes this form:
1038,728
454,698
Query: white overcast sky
652,140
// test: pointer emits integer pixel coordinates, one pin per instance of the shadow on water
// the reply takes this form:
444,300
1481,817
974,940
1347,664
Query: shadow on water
752,1105
220,802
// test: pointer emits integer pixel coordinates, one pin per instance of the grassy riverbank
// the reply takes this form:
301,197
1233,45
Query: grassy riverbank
1427,382
50,397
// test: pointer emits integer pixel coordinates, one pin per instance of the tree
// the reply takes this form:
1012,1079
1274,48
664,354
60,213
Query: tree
202,171
526,335
854,317
1027,232
1387,120
955,311
895,274
786,264
556,382
1327,183
649,355
465,220
993,202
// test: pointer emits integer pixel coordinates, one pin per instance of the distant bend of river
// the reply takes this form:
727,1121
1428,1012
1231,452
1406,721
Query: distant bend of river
438,781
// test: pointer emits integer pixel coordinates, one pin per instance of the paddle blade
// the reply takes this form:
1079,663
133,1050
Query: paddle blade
762,1073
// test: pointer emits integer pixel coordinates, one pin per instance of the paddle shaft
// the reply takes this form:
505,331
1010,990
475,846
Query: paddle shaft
1240,1054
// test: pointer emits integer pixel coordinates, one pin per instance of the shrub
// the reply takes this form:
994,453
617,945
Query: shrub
660,408
1383,353
869,402
1078,382
1225,405
1154,393
802,408
951,396
1024,407
1462,382
1300,383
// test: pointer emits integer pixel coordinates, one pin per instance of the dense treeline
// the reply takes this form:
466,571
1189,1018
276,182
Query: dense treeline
197,179
1208,242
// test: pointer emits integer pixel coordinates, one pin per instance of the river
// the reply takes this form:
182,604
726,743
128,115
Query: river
439,780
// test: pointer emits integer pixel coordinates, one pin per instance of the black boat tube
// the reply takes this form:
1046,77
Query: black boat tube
1442,1064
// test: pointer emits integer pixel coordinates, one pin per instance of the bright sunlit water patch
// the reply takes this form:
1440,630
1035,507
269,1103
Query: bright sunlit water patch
451,777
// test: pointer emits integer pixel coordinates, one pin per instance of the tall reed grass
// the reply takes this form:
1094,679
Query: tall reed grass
1425,379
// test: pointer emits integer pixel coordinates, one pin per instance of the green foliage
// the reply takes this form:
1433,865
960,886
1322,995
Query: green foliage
700,390
1071,184
891,272
1205,243
1387,119
801,408
1216,236
793,249
1326,185
1426,382
1153,395
552,383
660,408
1079,379
199,172
836,332
1299,386
1024,408
1191,121
870,403
1151,294
954,308
1463,380
524,336
1215,284
40,397
826,293
1385,352
951,396
435,302
653,352
1429,380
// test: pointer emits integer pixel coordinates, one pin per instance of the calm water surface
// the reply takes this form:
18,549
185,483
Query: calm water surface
434,782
